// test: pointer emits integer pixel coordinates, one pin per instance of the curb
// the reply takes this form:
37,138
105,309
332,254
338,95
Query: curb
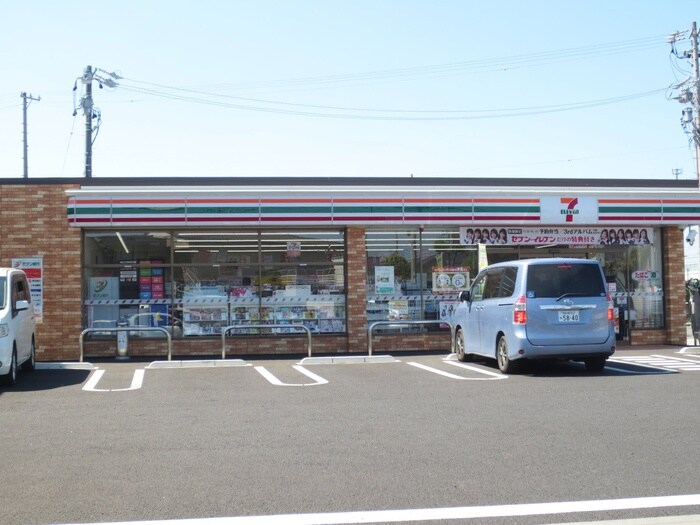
206,363
348,359
65,366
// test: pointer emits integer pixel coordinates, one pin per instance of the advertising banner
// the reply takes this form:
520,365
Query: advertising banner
33,267
573,236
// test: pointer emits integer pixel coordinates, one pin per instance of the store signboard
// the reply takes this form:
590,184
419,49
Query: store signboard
33,267
571,210
573,236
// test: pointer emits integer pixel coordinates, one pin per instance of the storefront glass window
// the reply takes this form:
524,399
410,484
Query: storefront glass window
646,286
218,279
634,274
113,247
416,274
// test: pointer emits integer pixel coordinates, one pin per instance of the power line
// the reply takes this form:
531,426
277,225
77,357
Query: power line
398,114
199,96
479,66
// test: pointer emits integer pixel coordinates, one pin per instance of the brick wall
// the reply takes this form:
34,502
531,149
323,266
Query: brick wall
33,224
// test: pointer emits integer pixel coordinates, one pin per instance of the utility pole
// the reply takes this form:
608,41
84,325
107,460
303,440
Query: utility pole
89,109
696,74
25,105
689,89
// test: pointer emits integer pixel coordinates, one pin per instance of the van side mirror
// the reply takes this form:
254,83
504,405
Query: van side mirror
465,296
21,305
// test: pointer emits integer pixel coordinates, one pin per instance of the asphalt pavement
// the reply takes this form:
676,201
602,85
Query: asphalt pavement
412,438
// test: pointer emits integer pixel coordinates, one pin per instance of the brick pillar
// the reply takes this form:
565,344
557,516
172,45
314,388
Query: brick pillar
356,289
674,285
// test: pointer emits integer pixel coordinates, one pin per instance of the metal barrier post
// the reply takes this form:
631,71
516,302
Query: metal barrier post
122,341
129,329
228,328
410,323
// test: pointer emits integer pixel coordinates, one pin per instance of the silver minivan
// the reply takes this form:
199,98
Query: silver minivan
17,325
555,308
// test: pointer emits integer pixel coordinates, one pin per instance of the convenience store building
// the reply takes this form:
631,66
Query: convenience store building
334,254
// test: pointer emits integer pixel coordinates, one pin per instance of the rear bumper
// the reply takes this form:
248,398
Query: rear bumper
523,349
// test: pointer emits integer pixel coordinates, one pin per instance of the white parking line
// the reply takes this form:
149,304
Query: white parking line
495,375
660,362
460,378
136,382
433,514
637,363
272,379
680,362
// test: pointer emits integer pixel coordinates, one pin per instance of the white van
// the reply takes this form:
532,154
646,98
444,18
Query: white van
17,325
537,309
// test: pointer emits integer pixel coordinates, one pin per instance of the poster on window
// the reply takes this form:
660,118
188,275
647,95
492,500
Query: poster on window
573,236
450,279
293,249
398,310
33,268
447,310
384,280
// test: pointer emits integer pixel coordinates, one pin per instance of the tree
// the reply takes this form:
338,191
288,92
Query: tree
402,268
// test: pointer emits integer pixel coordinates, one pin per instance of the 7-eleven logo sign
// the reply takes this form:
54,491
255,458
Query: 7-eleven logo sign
569,209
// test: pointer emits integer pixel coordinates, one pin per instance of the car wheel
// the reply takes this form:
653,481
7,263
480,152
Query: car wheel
10,379
595,365
505,365
30,364
459,343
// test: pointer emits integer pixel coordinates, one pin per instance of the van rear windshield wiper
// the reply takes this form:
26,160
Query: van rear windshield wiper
572,294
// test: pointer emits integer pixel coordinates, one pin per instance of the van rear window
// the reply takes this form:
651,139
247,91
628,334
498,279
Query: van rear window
555,280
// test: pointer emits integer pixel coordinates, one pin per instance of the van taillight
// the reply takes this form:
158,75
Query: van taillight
520,311
611,309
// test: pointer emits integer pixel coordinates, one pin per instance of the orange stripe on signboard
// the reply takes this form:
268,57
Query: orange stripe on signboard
508,201
629,201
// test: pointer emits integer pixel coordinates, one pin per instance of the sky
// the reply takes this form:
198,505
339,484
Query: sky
356,88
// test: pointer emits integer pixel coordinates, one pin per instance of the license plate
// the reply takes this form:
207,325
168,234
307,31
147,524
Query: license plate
569,317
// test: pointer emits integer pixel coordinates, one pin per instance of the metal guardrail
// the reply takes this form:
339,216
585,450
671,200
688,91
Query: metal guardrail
226,329
409,323
128,329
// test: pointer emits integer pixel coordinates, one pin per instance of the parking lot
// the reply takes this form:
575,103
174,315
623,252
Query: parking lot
409,435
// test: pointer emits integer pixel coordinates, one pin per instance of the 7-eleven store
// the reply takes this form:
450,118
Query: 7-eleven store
200,256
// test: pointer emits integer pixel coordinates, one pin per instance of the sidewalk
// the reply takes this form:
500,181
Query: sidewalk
690,347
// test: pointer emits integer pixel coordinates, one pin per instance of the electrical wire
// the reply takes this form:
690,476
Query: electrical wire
462,114
474,66
478,66
70,137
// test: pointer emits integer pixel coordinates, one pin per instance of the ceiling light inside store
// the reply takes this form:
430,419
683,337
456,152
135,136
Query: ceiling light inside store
121,240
